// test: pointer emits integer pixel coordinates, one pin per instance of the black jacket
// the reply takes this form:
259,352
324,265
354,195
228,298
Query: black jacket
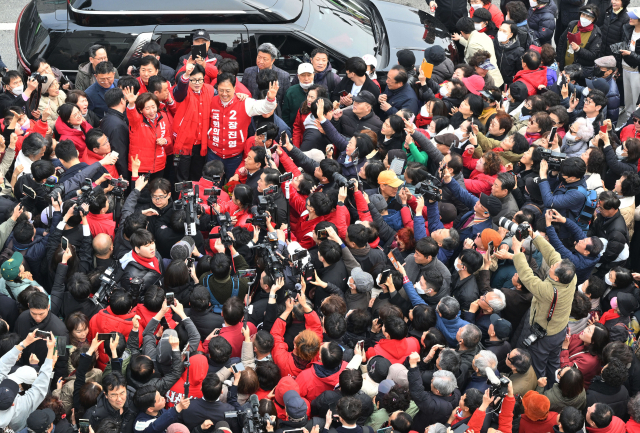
371,261
349,123
616,167
465,291
9,100
613,229
509,57
448,13
335,274
615,396
103,409
568,11
313,139
605,302
542,23
612,28
122,246
9,310
115,126
62,303
433,408
200,410
584,56
134,269
206,322
345,85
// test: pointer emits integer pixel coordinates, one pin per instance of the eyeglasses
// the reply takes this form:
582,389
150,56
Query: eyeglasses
197,81
159,197
636,120
588,101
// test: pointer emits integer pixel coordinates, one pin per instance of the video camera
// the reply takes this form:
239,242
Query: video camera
519,231
302,266
136,286
554,159
250,419
53,188
226,226
119,183
189,203
341,181
87,194
272,263
498,387
107,286
429,188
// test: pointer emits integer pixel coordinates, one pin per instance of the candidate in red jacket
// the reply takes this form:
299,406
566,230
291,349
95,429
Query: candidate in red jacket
117,317
72,126
160,86
396,346
532,74
149,131
306,345
322,376
98,147
484,174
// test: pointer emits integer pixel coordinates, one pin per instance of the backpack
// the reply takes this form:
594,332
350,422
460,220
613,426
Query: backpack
216,305
586,213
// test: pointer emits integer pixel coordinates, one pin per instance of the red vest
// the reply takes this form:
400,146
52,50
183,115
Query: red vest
229,127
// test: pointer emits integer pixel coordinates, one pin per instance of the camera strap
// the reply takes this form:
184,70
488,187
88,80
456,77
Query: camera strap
552,308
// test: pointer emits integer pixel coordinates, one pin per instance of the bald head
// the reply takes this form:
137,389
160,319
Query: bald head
102,245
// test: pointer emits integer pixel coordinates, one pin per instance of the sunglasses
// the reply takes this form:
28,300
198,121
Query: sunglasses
636,120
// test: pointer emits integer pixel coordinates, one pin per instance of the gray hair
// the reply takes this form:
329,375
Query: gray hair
470,335
499,303
451,243
449,307
270,49
444,382
484,359
437,428
585,128
634,407
33,144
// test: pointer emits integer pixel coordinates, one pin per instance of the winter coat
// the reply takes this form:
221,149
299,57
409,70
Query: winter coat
614,230
480,41
615,396
479,183
559,402
103,409
615,426
588,364
611,25
66,132
293,99
53,104
509,57
288,363
532,79
85,76
584,264
586,55
106,321
449,328
115,126
633,59
349,124
433,408
134,269
404,97
563,197
616,167
542,22
443,71
249,79
574,148
544,425
143,137
395,351
313,382
346,85
613,99
568,10
465,290
448,13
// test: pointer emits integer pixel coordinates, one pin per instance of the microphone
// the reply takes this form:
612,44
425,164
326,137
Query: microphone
255,402
491,376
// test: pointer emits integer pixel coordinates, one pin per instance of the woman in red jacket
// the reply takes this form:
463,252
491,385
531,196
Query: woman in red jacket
485,171
72,126
585,351
239,207
314,92
149,132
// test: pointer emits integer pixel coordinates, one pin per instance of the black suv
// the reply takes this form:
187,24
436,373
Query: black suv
62,31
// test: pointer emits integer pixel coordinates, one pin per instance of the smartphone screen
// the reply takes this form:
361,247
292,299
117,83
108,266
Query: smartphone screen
106,336
490,248
283,137
170,298
237,367
44,335
384,276
552,134
83,425
65,243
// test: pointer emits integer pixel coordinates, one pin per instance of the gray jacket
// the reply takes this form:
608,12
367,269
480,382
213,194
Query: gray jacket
508,205
85,76
413,270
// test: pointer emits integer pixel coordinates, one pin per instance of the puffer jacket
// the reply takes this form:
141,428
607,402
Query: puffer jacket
586,55
542,22
76,135
142,140
134,269
443,71
477,182
613,229
349,123
603,6
575,148
107,321
509,57
611,27
613,99
616,167
395,351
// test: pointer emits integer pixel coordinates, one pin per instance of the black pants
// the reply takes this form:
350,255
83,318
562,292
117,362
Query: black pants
190,166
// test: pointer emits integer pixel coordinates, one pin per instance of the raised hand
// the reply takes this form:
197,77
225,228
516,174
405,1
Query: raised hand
129,95
274,86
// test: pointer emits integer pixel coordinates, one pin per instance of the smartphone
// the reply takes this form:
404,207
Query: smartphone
44,335
385,430
28,191
344,93
393,260
603,128
190,262
106,336
199,50
114,153
322,234
283,137
170,298
185,351
384,276
65,243
490,248
147,175
237,367
61,346
294,430
247,273
83,425
287,176
361,344
552,134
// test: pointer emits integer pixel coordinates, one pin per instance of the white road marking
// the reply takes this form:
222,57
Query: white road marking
7,26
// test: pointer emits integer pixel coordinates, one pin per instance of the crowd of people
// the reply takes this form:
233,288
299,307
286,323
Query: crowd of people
363,252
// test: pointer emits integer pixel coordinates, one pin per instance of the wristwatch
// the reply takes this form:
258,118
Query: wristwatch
21,344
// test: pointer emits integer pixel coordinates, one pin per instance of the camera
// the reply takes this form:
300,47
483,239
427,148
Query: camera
265,204
39,78
53,188
293,293
273,264
119,183
136,286
498,387
87,194
250,418
184,186
226,226
429,188
341,181
107,286
554,159
519,231
302,266
537,333
189,203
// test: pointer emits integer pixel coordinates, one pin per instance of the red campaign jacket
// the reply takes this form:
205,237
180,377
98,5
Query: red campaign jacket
169,111
627,132
210,71
496,15
105,321
280,352
207,184
532,79
193,112
235,338
40,127
478,182
290,166
76,135
298,129
311,386
143,87
146,316
545,425
198,370
615,426
102,223
229,127
395,351
143,134
91,157
632,426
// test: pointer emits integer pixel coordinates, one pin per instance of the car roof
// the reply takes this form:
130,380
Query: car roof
156,7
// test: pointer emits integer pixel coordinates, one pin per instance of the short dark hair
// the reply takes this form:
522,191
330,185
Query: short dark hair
92,137
349,408
39,301
428,247
532,59
112,98
507,180
120,302
199,298
335,325
609,200
358,234
395,327
571,383
329,167
521,361
141,368
402,76
220,266
571,419
356,65
219,350
471,259
140,238
152,48
473,399
465,25
261,155
104,68
155,83
229,66
153,298
517,11
66,150
134,222
41,169
113,381
330,251
602,414
145,396
79,286
350,381
331,356
233,311
93,49
268,373
150,60
211,387
573,167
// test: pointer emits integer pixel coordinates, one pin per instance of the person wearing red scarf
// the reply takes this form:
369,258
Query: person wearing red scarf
98,147
99,220
143,261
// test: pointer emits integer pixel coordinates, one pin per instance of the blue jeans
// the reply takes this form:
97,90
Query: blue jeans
230,164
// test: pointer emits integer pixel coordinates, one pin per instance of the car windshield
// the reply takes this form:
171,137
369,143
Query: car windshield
351,25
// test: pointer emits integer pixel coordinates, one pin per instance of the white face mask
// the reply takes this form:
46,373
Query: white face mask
17,90
502,37
608,280
459,134
424,112
619,150
585,91
444,92
305,86
570,137
476,6
584,22
458,265
533,3
478,26
580,287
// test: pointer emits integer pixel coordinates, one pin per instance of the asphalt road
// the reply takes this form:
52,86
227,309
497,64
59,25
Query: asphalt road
11,9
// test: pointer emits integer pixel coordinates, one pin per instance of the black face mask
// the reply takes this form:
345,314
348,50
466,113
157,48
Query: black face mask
525,111
598,73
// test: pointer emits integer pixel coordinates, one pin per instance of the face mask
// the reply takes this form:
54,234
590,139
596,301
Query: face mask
458,265
424,112
584,22
478,26
459,134
502,37
444,92
598,73
608,280
525,111
372,75
476,6
585,91
17,90
305,86
533,3
580,287
619,150
570,138
505,105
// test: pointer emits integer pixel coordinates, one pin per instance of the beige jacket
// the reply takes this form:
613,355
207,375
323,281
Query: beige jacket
54,104
480,41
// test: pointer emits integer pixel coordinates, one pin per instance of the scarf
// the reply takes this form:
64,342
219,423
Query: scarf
152,264
585,34
587,29
319,76
185,136
531,137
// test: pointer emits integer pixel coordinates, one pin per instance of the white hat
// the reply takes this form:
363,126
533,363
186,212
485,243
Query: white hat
305,68
24,374
370,60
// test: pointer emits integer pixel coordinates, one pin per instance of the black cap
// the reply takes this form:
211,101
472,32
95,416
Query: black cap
406,58
365,96
40,420
201,34
8,391
435,55
501,327
491,203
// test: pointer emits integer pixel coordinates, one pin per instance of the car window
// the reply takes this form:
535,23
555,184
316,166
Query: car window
294,51
228,45
71,51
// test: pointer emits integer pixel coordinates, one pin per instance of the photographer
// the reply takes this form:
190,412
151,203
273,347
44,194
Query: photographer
72,295
219,282
447,239
14,92
130,221
208,180
152,416
142,262
550,307
505,419
269,179
174,232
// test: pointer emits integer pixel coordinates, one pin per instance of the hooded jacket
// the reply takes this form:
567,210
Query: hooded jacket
559,402
313,381
101,223
616,426
614,230
291,365
198,370
76,135
616,397
107,321
395,351
542,22
532,79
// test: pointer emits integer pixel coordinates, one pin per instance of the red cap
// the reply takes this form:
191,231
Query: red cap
287,383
